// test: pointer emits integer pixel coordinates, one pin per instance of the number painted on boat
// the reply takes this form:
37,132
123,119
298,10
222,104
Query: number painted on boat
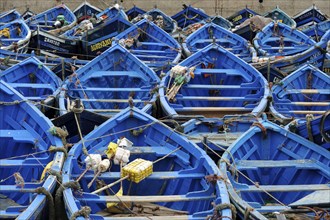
237,18
51,41
99,45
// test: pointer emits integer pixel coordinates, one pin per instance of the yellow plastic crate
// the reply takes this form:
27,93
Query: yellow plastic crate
137,170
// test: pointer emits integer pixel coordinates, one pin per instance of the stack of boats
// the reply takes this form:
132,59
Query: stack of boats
107,114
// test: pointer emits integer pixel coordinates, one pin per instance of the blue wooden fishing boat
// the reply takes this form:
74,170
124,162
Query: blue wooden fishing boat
242,15
175,178
189,15
58,19
251,26
106,84
310,16
87,121
279,39
220,21
60,46
213,82
9,16
278,15
152,45
216,133
34,81
271,172
280,67
28,165
316,129
98,39
160,19
305,91
317,30
85,11
8,58
212,33
112,12
15,36
27,14
134,12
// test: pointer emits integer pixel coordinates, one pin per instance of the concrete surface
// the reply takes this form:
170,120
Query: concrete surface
222,7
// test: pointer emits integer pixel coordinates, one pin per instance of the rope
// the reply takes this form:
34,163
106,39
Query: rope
247,212
309,118
54,149
84,211
218,208
59,203
325,136
50,201
262,128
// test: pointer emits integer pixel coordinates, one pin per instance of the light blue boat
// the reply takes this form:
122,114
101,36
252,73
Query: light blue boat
279,15
9,16
106,84
316,129
15,36
189,15
151,45
273,173
213,82
305,91
25,141
33,80
177,185
45,21
212,33
278,39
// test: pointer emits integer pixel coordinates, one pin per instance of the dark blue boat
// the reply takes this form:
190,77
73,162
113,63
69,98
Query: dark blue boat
152,45
213,82
310,16
58,18
278,15
315,129
44,41
34,81
212,33
106,84
174,181
271,172
15,36
189,15
162,20
305,91
278,39
251,26
85,11
27,14
316,31
134,12
242,15
28,165
280,67
9,16
99,39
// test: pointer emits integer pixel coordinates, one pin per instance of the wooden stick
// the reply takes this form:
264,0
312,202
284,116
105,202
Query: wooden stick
110,185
